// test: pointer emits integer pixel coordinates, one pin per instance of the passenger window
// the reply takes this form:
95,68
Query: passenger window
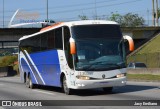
44,42
67,47
51,39
58,39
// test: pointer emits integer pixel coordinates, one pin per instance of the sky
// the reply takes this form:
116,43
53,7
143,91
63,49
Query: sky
68,10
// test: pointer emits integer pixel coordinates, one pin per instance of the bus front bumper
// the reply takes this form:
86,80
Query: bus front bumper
88,84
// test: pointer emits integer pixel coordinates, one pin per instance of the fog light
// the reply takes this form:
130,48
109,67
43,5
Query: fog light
83,77
123,82
80,85
120,75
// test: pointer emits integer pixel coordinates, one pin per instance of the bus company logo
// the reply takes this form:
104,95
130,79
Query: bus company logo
103,76
6,103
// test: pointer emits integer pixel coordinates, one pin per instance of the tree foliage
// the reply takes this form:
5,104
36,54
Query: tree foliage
83,17
132,20
116,17
128,20
8,60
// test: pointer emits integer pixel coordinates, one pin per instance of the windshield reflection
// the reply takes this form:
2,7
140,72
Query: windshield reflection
99,47
99,54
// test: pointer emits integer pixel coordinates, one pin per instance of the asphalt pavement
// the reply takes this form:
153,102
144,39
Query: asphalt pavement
11,88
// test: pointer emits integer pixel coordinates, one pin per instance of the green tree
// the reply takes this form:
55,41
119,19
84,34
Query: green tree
8,60
116,17
83,17
132,20
127,20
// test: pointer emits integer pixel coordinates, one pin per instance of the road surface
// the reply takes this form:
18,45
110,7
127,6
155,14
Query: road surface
11,88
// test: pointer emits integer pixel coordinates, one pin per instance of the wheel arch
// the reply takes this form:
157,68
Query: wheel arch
24,77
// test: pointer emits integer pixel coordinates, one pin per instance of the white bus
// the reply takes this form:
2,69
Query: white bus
75,55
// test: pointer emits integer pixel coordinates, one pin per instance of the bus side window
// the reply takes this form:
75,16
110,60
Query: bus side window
43,42
58,39
51,39
67,47
66,37
31,45
35,43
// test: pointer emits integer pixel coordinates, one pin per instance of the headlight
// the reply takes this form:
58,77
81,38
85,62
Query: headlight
121,75
83,77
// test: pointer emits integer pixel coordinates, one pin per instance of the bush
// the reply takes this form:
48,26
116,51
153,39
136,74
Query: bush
8,60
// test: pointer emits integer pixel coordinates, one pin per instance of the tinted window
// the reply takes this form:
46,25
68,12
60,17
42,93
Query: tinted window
35,43
51,39
31,44
96,31
58,38
130,65
67,47
140,65
66,37
44,42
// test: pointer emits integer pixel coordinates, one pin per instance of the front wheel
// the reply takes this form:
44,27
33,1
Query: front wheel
66,90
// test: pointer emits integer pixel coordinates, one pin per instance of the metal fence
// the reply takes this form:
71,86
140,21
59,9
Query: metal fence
152,60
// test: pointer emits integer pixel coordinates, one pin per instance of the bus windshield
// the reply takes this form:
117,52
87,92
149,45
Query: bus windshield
99,47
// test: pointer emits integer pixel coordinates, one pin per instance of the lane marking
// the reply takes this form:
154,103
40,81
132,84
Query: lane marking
44,92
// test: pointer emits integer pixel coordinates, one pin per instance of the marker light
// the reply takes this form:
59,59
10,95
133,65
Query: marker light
120,75
83,77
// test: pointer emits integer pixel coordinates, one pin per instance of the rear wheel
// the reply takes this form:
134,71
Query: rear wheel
65,87
107,89
29,83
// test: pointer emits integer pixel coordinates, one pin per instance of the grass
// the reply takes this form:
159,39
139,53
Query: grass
143,77
151,47
148,54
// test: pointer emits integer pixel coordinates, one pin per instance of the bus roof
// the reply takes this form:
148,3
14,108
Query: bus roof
69,24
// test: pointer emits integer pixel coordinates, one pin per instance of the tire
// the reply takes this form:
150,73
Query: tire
108,89
29,83
66,90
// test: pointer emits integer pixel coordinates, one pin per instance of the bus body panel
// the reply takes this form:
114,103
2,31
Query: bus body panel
97,80
65,69
43,66
88,84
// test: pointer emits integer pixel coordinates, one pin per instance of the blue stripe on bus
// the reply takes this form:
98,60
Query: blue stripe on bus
27,69
48,66
34,71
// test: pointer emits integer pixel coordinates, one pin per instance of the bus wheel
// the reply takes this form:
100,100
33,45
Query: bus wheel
65,87
27,82
31,85
107,89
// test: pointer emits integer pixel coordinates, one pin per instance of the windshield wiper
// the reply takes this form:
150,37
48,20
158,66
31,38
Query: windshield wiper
93,66
106,63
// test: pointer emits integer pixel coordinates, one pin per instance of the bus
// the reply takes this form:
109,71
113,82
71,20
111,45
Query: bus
75,55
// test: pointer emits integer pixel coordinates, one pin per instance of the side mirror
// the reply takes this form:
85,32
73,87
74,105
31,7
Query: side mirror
130,41
72,46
